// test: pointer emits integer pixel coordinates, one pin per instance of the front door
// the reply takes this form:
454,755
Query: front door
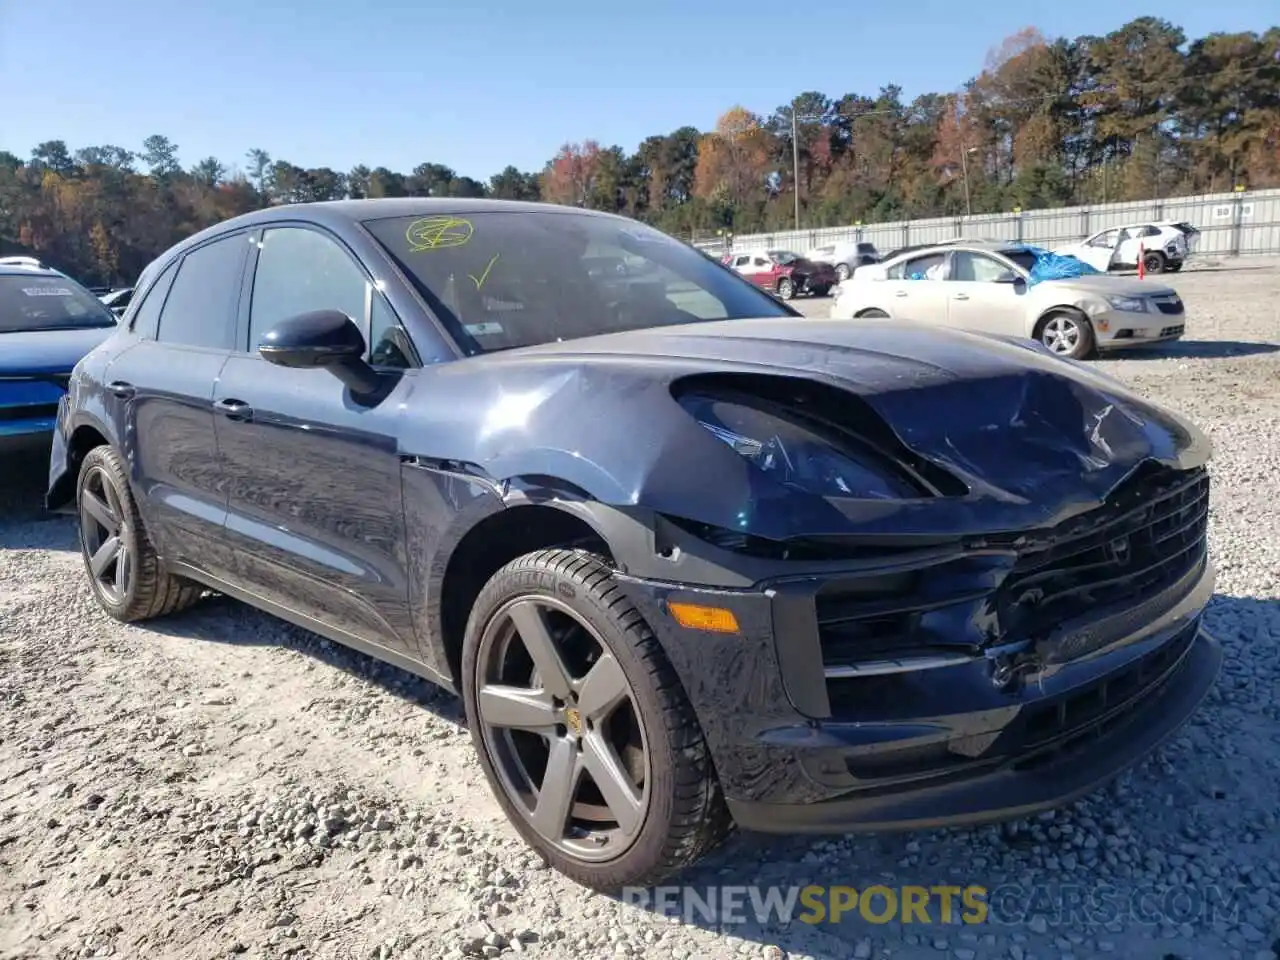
980,299
164,388
315,509
1099,251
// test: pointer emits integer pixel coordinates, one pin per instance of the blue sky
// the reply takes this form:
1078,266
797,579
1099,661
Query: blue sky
477,84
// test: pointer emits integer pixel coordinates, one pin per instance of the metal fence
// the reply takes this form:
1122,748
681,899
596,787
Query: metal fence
1230,224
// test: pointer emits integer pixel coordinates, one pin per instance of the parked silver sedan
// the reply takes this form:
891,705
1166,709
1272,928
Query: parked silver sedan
989,288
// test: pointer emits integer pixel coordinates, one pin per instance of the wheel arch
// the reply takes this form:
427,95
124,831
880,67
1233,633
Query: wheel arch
521,525
88,432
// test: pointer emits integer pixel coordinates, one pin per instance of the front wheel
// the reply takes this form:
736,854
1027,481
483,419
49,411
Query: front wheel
872,314
1067,334
583,729
125,572
821,291
842,272
786,289
1153,262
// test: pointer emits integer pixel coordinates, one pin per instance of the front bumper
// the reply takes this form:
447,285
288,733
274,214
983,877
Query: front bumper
1118,329
976,725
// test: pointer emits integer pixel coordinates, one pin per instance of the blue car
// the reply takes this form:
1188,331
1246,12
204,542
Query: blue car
47,323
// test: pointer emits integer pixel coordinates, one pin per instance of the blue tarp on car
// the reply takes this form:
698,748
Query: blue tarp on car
1055,266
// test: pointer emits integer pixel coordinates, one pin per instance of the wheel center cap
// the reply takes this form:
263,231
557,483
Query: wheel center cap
573,720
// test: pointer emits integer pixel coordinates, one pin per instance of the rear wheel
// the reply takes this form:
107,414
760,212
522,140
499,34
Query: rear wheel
1174,267
1153,261
1068,334
872,314
786,289
842,272
821,291
125,573
583,730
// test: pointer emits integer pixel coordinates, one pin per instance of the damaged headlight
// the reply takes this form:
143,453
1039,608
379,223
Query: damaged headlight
792,451
1128,304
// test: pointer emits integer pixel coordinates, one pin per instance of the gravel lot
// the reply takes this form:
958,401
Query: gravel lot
221,783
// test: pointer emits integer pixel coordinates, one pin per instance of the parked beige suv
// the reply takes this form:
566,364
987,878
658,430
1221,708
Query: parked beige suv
987,288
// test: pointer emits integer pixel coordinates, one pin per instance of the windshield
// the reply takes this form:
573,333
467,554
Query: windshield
784,256
503,280
42,302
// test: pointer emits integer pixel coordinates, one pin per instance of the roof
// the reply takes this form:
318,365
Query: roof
336,212
986,246
18,270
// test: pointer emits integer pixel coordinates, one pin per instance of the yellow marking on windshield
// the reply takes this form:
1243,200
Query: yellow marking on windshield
479,281
433,233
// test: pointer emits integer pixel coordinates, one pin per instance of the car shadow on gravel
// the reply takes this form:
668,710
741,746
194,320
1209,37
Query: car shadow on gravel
219,619
1210,349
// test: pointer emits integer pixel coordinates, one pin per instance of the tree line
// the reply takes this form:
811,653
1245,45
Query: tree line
1139,113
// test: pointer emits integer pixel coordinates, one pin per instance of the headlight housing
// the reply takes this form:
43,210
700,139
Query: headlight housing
1128,304
797,452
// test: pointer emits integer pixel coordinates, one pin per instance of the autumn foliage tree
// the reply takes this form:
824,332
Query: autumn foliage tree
1134,114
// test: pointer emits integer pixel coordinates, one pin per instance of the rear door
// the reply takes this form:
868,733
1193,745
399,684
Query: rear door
315,510
164,388
914,289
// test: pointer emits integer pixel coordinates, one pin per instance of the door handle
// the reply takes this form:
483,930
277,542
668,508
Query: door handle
900,293
121,389
234,409
960,296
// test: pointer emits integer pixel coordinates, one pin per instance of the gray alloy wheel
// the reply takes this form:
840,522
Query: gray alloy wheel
1067,335
842,272
105,536
567,743
786,289
582,726
125,573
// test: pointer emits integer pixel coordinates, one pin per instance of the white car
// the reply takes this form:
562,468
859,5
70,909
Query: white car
988,288
1163,246
845,257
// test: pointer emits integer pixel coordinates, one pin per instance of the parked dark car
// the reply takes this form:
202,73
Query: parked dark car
47,323
687,565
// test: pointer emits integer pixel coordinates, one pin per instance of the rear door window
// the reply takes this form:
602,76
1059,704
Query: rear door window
201,308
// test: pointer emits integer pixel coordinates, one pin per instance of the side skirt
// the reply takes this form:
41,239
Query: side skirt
377,651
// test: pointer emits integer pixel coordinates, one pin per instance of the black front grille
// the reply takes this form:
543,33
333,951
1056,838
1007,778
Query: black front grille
1172,307
28,411
1172,331
1150,536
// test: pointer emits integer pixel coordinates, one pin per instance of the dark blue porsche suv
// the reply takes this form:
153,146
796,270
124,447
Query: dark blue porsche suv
690,559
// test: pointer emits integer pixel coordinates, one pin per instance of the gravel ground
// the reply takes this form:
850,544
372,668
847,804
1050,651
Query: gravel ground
222,784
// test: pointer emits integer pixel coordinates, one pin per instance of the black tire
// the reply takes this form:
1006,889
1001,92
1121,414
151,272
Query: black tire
1153,261
1052,326
872,314
147,590
843,272
1174,266
821,291
786,288
684,814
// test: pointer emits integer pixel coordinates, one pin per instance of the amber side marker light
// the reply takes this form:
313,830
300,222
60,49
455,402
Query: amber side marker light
694,616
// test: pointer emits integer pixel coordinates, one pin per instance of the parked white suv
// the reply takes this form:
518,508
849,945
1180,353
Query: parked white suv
1164,246
988,288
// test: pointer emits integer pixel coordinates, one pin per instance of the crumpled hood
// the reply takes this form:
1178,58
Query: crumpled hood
47,351
1041,436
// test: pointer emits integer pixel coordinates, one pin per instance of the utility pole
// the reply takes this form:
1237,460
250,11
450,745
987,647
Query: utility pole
964,165
795,163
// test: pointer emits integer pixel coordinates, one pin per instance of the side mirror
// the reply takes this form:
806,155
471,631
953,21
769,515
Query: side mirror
1010,277
323,338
